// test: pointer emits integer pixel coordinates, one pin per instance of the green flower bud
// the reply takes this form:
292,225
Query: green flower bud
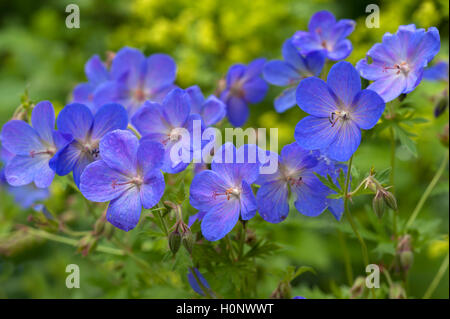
174,241
99,225
406,259
378,204
188,240
357,290
390,200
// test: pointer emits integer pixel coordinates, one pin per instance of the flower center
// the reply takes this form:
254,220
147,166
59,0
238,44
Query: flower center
91,148
139,95
49,151
232,191
137,181
402,67
294,181
338,115
236,89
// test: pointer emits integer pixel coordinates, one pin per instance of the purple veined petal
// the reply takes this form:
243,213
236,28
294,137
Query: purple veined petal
321,21
19,138
255,90
413,80
237,111
372,71
295,158
313,133
124,211
341,50
96,71
119,150
306,43
193,218
336,207
437,72
75,119
367,108
22,170
423,50
158,95
112,92
43,120
5,155
160,71
344,80
28,195
223,163
389,87
172,167
83,161
248,202
153,189
235,73
194,284
346,142
65,159
213,110
254,68
285,100
314,63
128,63
342,29
150,156
84,93
310,201
44,176
272,199
100,183
204,189
176,108
149,120
264,177
220,219
109,117
196,99
247,163
292,56
316,98
280,73
386,52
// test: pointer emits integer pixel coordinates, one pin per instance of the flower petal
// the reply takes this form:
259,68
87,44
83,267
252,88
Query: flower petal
220,220
237,111
153,189
316,98
65,159
285,100
83,161
255,90
321,20
22,170
43,120
150,156
128,63
280,73
20,138
367,108
389,87
313,133
75,119
176,108
160,71
124,211
194,284
196,99
344,80
100,183
272,199
341,50
248,202
346,142
96,71
203,187
213,111
149,119
109,117
119,150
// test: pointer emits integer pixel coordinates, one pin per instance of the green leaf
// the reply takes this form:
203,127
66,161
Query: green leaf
383,176
328,182
405,140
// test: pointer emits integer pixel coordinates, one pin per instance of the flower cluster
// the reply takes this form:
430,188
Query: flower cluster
130,124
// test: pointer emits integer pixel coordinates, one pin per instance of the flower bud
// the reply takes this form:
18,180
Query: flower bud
357,290
390,200
406,259
441,106
188,240
99,225
378,204
87,245
396,291
174,241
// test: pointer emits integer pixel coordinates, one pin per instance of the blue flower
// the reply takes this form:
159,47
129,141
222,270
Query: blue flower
398,62
97,74
326,35
212,110
295,175
86,131
244,85
193,282
224,192
290,72
171,124
136,79
128,176
338,110
33,147
26,195
299,297
437,72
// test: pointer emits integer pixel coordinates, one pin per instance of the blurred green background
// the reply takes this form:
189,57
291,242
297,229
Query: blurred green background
38,53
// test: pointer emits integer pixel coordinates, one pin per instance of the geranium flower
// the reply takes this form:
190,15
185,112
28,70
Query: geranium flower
86,131
224,192
212,110
136,79
326,35
128,176
295,175
437,72
290,72
171,124
97,74
338,110
397,64
244,86
33,147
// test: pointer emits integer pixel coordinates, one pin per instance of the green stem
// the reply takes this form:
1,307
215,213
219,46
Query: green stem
427,192
437,278
230,244
348,265
72,242
391,177
163,223
242,240
135,132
